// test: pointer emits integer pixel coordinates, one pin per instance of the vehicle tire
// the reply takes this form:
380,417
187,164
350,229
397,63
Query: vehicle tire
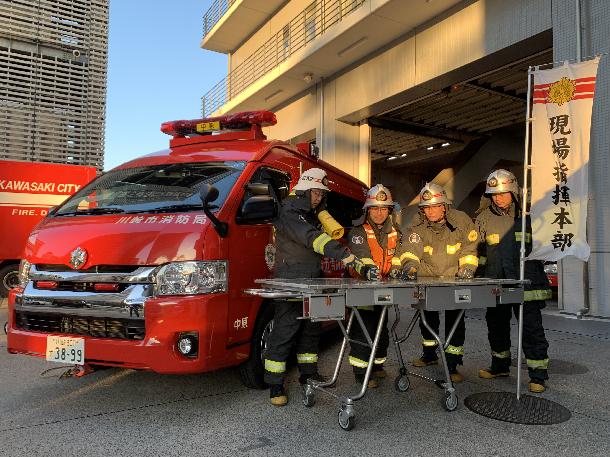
9,278
252,370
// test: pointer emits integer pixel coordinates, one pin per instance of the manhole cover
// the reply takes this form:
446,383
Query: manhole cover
504,406
561,367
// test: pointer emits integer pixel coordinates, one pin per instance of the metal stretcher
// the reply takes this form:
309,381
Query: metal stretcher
326,299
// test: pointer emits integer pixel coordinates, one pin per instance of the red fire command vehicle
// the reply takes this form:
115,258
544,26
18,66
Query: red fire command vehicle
145,267
27,191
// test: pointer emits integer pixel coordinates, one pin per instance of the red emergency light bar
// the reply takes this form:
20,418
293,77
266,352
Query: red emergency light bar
179,129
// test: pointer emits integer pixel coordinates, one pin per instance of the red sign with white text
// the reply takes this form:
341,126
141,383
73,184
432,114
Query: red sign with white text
28,190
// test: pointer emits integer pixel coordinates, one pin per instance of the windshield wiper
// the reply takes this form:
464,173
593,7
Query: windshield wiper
173,208
92,211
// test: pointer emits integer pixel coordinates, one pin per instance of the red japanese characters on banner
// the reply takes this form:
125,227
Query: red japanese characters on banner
561,125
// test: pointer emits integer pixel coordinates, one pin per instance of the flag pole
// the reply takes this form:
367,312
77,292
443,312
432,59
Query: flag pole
524,214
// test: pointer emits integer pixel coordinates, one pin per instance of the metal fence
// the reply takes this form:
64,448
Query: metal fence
214,13
318,17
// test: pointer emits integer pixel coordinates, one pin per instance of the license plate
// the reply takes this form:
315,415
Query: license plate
64,349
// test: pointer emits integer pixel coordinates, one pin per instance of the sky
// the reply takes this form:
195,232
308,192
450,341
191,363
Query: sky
156,72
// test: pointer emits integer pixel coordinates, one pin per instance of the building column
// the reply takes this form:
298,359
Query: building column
574,295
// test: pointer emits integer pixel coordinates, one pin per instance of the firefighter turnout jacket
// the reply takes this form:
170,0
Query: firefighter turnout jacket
300,241
500,249
440,249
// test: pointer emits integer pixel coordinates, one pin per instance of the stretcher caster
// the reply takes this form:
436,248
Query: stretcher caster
347,420
402,383
308,397
450,401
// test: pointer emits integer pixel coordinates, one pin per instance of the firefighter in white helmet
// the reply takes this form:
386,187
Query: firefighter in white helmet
499,225
441,241
300,245
375,240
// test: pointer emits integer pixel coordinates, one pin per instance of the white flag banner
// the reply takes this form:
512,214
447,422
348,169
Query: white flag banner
561,127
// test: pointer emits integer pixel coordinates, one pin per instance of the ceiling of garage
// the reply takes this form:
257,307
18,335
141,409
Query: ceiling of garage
443,123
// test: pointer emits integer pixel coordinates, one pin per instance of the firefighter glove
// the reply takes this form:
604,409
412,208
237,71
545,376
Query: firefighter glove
395,273
465,273
370,272
409,274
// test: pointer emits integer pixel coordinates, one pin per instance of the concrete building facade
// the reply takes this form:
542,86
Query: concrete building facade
53,65
404,92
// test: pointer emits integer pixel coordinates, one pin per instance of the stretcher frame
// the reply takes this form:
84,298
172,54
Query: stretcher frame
329,298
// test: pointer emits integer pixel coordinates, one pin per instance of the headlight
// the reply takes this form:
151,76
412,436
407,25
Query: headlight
24,272
189,278
550,268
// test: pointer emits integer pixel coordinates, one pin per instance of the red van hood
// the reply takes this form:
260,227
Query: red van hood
118,240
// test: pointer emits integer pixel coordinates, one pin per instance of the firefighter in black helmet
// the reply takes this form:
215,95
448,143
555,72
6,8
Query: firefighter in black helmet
499,225
300,245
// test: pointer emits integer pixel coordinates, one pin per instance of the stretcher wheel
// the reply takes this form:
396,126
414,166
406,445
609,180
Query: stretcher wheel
347,421
450,401
402,383
308,398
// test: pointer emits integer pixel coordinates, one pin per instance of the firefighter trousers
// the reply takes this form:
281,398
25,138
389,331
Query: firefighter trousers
288,332
455,350
535,344
359,354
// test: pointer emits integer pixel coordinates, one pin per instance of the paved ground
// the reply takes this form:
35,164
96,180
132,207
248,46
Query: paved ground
124,412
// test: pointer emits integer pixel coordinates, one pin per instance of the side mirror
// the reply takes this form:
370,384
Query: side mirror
260,207
208,194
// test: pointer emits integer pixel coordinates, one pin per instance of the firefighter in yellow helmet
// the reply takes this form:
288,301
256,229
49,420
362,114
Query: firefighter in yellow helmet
375,240
499,225
300,245
441,241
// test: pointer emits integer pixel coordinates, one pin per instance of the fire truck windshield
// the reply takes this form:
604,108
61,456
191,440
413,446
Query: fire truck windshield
158,188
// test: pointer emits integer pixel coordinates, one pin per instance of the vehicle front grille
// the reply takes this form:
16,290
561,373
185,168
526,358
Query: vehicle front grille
125,329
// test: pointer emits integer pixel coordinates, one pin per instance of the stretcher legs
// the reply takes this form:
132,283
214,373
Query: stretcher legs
402,383
347,414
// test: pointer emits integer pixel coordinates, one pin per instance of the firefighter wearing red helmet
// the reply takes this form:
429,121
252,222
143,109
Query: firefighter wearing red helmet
499,225
300,245
375,240
441,241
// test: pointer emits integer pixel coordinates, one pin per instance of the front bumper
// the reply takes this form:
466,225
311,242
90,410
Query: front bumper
165,318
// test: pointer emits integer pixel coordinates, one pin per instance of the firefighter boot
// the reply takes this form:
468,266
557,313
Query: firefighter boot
453,361
278,395
372,384
500,368
537,378
379,372
428,357
536,386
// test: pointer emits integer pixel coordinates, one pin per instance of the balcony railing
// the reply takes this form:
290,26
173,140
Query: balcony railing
214,13
317,18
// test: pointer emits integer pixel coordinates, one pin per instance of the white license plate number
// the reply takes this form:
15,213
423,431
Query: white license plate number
64,349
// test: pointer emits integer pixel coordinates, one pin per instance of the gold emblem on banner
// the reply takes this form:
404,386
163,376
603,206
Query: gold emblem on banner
561,91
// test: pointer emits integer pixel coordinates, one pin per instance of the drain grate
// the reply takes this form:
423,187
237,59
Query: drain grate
504,406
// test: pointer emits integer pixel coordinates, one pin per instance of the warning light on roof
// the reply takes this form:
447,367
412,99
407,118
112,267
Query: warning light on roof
243,120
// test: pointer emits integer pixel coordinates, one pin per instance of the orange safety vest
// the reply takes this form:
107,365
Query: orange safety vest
383,259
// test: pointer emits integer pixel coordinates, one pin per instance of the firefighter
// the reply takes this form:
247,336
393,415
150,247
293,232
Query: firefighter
374,240
300,245
499,225
441,242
